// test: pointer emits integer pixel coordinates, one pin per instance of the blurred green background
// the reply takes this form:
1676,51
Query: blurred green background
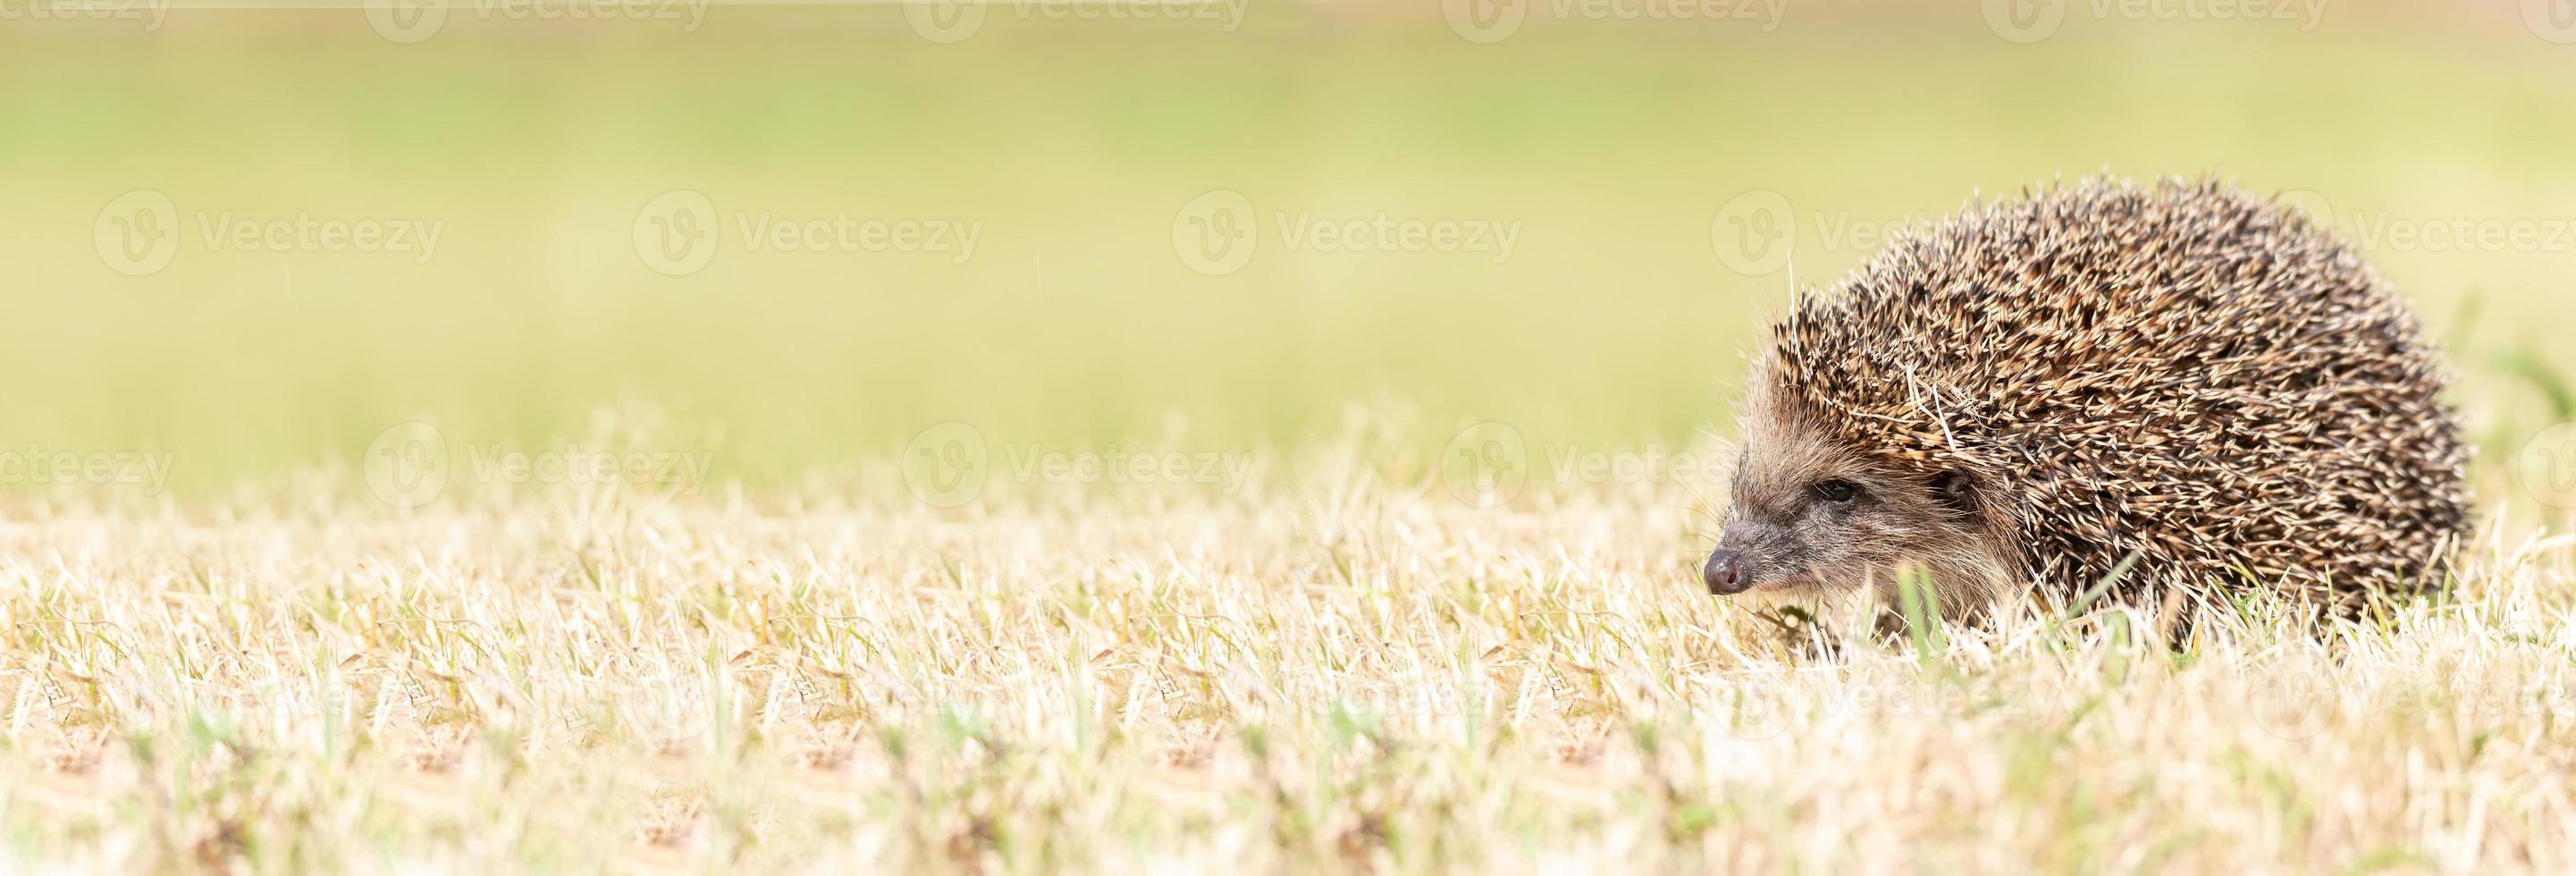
1076,144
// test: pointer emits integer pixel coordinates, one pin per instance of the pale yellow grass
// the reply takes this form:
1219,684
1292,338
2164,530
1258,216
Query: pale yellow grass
1339,664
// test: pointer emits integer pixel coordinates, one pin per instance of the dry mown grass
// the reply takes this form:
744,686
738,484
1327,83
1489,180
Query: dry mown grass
1338,664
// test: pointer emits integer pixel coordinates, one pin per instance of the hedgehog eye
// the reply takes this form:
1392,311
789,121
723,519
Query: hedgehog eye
1954,489
1837,491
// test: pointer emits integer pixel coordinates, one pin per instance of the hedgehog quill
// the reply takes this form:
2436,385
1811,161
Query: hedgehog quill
2182,383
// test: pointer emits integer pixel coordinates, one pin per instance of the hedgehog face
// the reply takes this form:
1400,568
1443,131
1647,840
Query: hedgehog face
1811,516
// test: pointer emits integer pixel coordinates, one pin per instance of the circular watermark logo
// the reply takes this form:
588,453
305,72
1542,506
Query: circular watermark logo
1485,21
406,21
2024,21
2552,20
407,465
1216,233
668,703
1486,464
137,233
947,465
2546,466
944,21
1754,232
2291,702
675,233
1754,714
2319,211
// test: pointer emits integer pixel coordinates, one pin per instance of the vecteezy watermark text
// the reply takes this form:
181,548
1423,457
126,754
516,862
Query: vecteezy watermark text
680,231
1218,232
412,21
2029,21
151,13
953,21
1756,232
411,464
38,465
950,464
2459,231
1492,21
1488,464
140,232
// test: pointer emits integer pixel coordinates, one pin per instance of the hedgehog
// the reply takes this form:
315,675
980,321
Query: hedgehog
2097,390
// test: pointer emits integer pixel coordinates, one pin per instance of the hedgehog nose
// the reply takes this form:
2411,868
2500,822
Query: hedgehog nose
1725,572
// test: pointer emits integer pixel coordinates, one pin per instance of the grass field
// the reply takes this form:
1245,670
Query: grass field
809,445
1339,663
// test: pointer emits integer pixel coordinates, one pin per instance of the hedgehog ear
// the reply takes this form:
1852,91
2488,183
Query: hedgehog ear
1954,489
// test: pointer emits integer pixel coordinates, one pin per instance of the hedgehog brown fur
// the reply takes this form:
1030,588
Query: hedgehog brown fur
2040,388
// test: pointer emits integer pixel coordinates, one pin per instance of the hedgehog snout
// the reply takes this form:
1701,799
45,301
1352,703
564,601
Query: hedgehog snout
1747,555
1755,551
1725,573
